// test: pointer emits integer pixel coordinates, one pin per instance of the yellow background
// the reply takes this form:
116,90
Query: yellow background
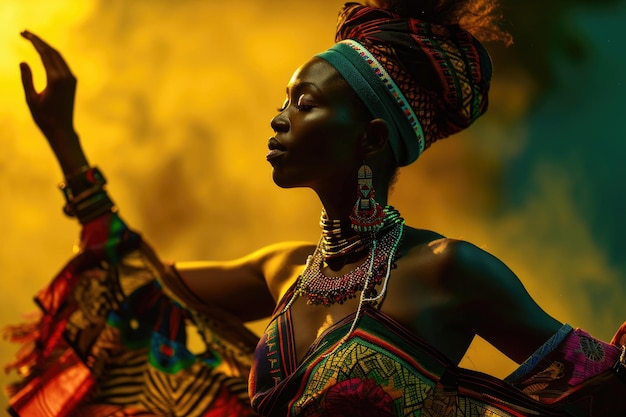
174,102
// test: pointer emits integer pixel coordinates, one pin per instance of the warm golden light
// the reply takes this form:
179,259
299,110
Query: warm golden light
174,102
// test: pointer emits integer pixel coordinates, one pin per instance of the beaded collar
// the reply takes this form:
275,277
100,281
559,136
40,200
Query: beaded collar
340,241
383,251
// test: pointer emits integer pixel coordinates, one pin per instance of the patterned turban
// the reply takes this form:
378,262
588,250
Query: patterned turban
426,80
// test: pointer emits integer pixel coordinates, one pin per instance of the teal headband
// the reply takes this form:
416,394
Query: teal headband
381,96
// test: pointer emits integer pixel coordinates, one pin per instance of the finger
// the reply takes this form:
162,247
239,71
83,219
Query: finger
52,60
40,46
27,82
59,62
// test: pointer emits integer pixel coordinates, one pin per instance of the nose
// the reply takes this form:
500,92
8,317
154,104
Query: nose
280,123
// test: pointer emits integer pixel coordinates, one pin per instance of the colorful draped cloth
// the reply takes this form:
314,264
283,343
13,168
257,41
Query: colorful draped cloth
113,340
382,369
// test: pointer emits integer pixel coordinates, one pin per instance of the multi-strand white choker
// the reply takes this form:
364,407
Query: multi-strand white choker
340,241
382,248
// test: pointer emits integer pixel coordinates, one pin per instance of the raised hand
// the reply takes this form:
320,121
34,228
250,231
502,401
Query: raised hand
53,107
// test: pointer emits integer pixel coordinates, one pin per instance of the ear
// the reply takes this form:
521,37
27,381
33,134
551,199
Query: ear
376,137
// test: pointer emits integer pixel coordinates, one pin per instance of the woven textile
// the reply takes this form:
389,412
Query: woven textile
112,340
382,369
443,71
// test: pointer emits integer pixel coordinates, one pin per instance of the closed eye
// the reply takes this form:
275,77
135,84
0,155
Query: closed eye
304,103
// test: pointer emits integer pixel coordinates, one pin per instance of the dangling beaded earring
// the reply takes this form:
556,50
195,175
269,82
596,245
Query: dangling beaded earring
367,215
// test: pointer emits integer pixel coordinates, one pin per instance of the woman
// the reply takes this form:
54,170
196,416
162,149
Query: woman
379,315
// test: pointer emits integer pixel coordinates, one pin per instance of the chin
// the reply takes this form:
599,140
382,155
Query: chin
283,180
280,180
285,185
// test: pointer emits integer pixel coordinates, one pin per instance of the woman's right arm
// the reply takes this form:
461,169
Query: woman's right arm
53,107
239,286
249,286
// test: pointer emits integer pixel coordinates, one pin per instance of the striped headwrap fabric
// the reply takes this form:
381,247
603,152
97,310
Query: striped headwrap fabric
428,81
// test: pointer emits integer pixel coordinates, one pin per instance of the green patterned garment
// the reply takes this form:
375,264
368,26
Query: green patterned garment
383,369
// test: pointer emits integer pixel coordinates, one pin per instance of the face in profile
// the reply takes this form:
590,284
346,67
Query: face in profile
318,130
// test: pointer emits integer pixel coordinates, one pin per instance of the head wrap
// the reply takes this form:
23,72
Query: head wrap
426,80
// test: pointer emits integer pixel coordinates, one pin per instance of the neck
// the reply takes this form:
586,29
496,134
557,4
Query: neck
338,202
340,244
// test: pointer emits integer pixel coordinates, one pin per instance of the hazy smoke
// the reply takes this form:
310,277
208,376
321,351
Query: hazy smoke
174,104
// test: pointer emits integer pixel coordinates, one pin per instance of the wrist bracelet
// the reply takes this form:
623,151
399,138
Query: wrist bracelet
76,184
85,196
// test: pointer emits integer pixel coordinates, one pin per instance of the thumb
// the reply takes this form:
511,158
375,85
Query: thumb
27,82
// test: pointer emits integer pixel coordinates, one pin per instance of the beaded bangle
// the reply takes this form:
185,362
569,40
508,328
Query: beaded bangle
85,196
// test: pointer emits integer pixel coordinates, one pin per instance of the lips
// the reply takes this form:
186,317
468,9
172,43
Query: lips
274,144
276,149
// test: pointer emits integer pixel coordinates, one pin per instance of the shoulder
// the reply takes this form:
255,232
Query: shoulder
499,307
492,299
472,270
466,258
283,251
451,254
460,267
280,263
424,247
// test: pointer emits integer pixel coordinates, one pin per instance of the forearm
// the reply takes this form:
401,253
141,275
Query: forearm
70,156
236,286
573,366
53,107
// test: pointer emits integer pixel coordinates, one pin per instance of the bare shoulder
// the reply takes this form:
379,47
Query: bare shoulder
465,258
248,286
453,261
477,278
476,272
427,297
497,305
427,255
281,263
492,299
427,261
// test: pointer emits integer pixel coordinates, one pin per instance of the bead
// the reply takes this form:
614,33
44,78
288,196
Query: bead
321,289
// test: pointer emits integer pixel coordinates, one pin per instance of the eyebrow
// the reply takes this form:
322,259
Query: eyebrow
301,85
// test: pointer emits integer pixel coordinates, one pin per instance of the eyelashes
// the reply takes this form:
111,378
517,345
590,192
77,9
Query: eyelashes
302,105
283,107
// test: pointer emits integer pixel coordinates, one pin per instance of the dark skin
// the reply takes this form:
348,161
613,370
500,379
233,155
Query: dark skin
443,290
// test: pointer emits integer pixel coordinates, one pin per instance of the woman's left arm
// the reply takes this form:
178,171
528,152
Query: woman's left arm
501,310
562,365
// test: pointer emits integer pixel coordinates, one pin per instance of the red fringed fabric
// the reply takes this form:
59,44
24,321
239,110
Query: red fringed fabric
112,339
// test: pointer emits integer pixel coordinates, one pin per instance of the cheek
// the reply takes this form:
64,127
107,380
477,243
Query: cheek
335,135
344,143
342,149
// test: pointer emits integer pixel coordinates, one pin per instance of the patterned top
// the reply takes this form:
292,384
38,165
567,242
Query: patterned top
382,369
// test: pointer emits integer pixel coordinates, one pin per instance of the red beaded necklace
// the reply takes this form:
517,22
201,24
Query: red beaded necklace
383,252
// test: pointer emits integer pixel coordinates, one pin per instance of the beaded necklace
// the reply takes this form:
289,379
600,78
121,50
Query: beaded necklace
383,251
340,241
376,269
